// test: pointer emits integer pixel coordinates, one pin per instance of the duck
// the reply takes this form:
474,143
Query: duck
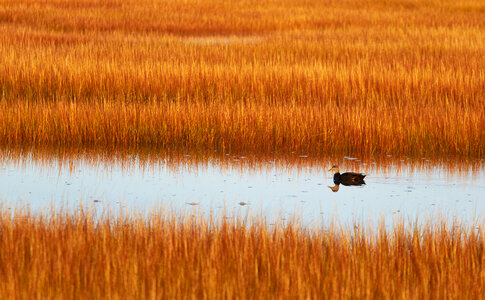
347,178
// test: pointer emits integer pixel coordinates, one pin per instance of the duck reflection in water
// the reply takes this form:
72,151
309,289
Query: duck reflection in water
348,178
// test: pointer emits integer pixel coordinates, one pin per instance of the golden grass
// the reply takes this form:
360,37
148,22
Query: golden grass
366,76
81,255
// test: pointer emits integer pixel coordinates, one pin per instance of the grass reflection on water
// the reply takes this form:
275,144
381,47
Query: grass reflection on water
285,185
147,159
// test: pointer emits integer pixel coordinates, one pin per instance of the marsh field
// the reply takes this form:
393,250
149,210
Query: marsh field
180,149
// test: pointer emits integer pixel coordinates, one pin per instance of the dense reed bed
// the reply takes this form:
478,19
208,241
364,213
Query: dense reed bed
85,255
366,76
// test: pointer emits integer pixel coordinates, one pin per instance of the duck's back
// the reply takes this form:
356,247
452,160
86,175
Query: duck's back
351,178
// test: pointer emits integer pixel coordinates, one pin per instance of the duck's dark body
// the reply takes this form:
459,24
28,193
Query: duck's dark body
349,178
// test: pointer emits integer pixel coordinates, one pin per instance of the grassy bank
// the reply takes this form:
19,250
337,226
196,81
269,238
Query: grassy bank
80,255
320,77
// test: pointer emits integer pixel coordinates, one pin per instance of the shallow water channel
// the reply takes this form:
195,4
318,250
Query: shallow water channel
238,186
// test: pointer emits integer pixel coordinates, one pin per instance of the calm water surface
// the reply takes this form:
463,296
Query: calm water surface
238,186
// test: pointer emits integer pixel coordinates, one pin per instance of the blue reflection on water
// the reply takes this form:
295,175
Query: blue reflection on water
270,190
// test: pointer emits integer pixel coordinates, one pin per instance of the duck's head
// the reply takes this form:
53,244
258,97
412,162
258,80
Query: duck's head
334,169
334,188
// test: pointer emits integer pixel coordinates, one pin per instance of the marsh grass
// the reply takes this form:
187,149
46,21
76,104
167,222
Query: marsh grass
88,254
320,77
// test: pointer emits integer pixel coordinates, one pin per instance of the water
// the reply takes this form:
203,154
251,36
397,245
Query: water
239,185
